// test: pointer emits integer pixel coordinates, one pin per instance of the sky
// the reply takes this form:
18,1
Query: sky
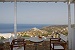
36,13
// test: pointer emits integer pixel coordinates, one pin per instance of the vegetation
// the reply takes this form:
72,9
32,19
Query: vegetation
25,36
2,38
62,29
46,31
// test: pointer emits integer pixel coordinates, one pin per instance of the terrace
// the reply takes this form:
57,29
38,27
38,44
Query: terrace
71,30
32,43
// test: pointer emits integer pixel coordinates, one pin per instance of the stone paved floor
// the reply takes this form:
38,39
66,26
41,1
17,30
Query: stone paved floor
40,46
30,46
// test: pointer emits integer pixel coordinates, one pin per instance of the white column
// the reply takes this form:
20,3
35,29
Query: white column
15,18
69,27
74,13
73,34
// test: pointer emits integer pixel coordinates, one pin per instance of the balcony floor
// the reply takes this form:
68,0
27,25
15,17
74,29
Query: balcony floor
41,46
30,46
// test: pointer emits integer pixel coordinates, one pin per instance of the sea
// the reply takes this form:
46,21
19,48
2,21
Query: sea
9,28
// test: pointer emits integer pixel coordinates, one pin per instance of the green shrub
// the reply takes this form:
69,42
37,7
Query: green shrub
1,37
26,36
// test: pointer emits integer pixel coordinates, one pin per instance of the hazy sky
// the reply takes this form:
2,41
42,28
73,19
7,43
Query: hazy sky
36,13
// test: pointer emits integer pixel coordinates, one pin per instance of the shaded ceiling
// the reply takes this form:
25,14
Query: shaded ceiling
72,1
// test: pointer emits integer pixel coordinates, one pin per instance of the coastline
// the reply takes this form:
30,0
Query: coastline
6,35
29,32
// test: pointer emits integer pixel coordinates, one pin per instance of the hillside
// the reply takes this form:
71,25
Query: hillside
63,29
46,31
